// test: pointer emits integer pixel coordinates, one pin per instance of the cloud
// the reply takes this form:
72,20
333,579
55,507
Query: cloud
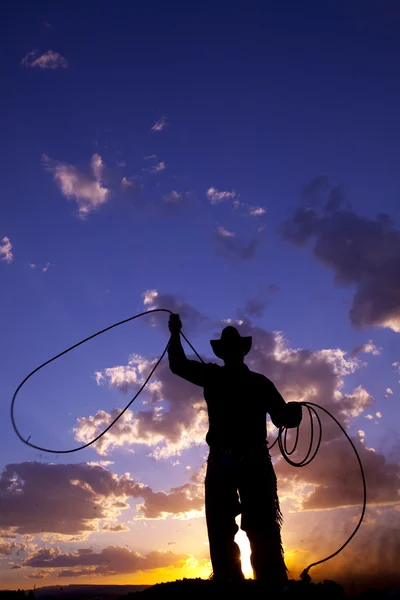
215,196
39,575
224,233
61,499
78,499
227,245
160,166
44,269
8,548
175,203
389,392
173,197
97,166
248,209
367,348
112,560
6,253
256,211
115,528
88,191
362,252
256,307
48,60
160,124
173,417
167,431
192,319
131,185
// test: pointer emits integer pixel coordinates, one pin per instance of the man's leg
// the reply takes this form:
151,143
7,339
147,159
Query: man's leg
261,517
222,507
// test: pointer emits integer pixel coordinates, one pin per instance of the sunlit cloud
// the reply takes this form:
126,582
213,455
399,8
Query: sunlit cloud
367,348
160,124
97,166
160,166
48,60
215,196
256,211
6,253
87,190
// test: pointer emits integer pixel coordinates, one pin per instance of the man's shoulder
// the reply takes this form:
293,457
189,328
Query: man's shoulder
260,378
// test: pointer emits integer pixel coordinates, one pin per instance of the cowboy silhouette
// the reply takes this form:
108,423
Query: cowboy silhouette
240,478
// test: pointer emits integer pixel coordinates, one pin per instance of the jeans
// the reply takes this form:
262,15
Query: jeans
244,483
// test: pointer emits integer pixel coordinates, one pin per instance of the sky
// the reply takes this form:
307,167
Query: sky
233,163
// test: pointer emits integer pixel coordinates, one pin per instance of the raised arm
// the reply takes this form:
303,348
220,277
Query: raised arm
191,370
283,414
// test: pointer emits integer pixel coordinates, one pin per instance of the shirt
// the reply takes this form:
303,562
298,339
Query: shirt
237,399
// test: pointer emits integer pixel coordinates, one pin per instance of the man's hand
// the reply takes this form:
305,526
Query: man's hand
174,324
295,414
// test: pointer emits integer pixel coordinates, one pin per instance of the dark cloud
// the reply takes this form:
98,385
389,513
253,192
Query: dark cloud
227,245
112,560
71,499
39,575
256,307
115,528
361,251
192,319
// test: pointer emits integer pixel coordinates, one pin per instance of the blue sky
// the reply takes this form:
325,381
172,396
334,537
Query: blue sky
164,146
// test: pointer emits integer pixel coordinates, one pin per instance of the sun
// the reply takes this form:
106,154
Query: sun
243,542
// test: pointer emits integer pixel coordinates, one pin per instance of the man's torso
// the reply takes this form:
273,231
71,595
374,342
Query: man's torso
237,406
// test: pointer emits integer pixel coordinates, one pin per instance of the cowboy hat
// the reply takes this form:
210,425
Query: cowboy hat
229,337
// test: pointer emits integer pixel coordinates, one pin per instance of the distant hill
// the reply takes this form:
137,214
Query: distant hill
78,592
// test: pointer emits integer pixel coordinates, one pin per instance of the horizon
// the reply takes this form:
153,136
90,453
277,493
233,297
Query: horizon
233,164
